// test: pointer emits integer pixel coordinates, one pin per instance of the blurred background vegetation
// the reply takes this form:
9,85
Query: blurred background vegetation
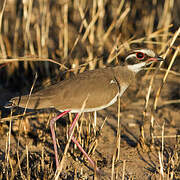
80,35
59,38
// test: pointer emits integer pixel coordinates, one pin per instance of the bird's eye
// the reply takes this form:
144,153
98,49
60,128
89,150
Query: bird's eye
139,55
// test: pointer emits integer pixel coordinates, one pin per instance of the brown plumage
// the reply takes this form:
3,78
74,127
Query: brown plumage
98,86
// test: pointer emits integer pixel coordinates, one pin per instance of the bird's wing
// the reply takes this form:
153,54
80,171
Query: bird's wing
98,86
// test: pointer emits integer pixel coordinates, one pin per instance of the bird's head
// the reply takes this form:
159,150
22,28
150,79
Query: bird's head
139,58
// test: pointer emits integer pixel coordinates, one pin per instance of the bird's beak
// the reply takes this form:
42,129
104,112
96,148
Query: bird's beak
154,59
159,59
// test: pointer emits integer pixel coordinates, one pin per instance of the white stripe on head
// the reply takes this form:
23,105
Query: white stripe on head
131,56
149,52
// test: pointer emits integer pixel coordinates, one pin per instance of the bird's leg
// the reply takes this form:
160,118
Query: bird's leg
72,138
79,146
54,136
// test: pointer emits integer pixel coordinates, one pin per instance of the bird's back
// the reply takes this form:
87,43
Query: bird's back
99,87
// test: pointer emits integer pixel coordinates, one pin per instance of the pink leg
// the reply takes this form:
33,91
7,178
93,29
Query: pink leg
54,136
78,145
73,139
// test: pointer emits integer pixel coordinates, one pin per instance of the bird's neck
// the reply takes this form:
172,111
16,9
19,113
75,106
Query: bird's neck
123,75
136,67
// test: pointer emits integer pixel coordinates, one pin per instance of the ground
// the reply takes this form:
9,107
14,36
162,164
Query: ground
57,39
30,145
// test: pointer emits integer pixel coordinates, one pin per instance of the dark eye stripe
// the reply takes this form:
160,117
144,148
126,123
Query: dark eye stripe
139,55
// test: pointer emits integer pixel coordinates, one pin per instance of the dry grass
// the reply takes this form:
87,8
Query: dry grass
58,38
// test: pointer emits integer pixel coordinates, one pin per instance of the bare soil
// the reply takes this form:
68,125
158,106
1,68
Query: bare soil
59,38
31,134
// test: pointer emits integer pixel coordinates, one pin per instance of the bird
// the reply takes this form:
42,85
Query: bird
99,89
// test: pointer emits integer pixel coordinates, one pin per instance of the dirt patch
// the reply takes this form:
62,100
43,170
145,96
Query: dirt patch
31,135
